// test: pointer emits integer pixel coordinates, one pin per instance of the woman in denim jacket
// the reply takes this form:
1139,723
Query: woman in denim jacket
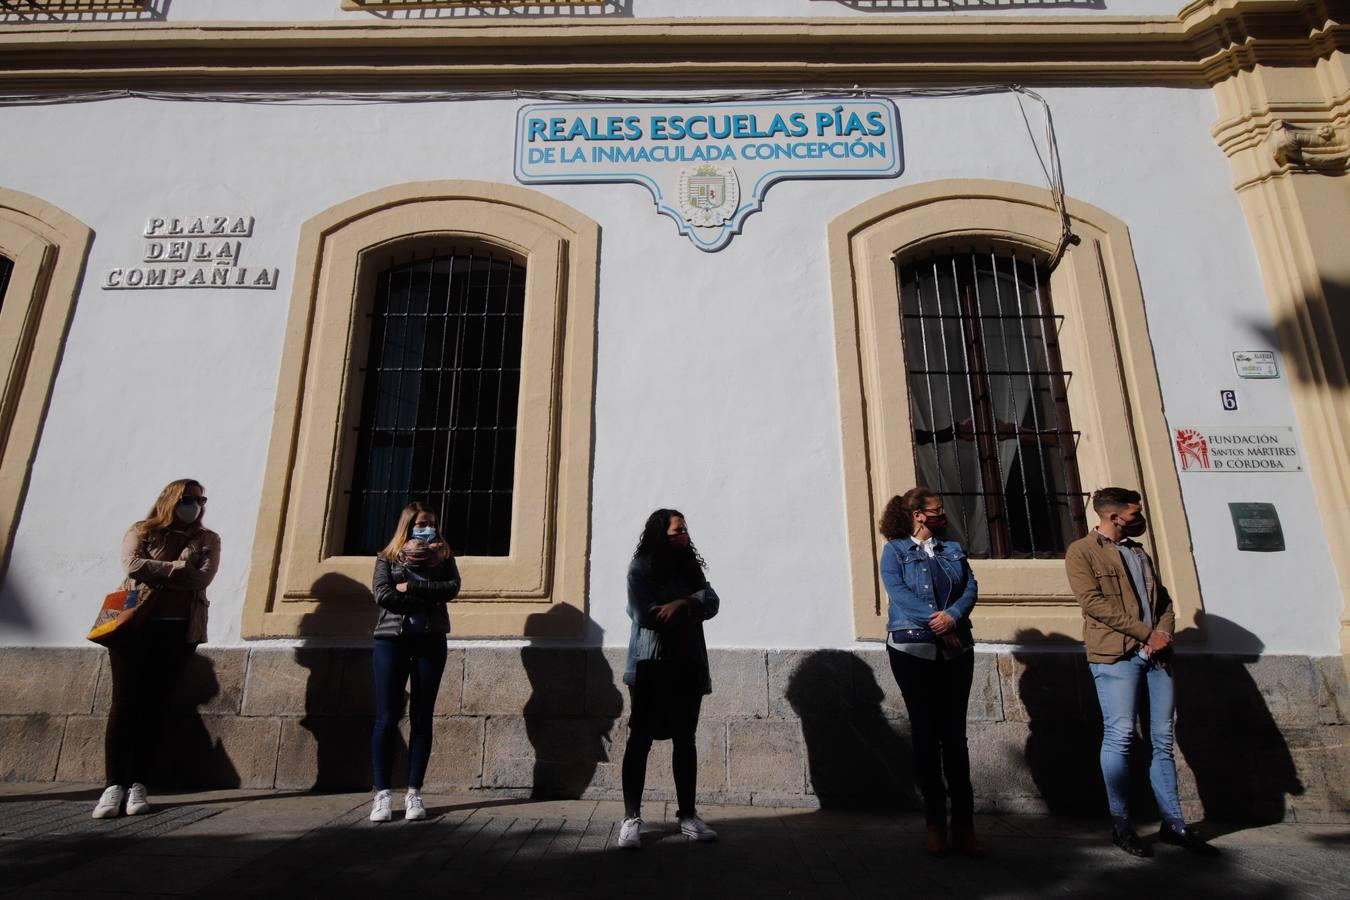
932,592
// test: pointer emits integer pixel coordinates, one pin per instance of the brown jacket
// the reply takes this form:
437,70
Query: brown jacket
150,563
1112,625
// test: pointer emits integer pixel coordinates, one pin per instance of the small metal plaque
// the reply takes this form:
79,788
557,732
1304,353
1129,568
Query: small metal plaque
1257,526
1255,364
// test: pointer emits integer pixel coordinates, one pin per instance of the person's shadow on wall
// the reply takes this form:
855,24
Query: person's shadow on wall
1225,733
568,728
855,757
190,756
339,710
1064,727
1241,761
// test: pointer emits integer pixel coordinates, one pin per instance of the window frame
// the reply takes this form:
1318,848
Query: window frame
84,6
1113,392
48,249
392,5
979,399
300,584
379,266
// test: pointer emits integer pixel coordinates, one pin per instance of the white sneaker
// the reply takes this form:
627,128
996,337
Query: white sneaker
109,806
630,833
696,829
382,810
413,810
136,800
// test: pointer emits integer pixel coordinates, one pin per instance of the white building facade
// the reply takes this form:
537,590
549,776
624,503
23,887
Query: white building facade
215,213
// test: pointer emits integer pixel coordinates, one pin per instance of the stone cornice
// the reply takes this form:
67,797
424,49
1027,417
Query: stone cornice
1205,43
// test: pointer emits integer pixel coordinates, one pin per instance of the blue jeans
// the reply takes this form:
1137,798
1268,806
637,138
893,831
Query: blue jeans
417,660
1118,689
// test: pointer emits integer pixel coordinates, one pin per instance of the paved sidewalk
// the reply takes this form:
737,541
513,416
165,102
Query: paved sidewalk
265,843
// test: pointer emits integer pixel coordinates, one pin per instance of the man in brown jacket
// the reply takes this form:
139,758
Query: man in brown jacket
1128,622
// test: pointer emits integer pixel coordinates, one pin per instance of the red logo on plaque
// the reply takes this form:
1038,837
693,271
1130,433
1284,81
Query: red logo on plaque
1193,448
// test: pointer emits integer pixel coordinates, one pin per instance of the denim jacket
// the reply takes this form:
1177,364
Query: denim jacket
645,639
904,572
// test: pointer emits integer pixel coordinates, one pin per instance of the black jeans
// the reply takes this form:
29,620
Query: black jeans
416,661
936,694
661,707
145,673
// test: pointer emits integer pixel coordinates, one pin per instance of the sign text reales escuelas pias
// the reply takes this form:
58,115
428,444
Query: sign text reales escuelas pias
707,165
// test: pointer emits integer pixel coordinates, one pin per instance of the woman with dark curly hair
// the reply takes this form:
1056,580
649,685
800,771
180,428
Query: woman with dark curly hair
667,668
932,592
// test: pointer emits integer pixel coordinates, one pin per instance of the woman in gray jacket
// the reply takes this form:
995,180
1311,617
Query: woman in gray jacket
415,577
667,668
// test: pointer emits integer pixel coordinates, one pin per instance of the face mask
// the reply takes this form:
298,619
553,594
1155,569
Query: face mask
424,534
679,540
935,523
1135,528
187,512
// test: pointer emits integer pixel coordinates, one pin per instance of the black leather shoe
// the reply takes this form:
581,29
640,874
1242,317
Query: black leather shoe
1130,843
1187,840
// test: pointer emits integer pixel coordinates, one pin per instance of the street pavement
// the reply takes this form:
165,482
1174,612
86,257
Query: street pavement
269,844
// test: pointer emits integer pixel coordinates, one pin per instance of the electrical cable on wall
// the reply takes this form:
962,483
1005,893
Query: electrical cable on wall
1048,157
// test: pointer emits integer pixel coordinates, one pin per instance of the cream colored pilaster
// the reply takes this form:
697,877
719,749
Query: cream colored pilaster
1287,132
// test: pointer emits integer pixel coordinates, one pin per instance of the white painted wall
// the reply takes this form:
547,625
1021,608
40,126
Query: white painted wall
329,10
716,374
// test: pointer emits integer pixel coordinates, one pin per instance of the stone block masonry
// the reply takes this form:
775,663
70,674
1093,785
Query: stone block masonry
1259,739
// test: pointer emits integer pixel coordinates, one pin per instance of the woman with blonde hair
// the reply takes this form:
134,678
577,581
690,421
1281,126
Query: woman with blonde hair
170,558
415,577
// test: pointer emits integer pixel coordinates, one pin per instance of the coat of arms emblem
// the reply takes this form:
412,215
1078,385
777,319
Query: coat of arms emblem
709,195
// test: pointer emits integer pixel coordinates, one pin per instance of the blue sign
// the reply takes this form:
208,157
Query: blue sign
707,165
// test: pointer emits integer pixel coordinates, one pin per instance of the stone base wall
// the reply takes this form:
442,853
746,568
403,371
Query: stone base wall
1261,739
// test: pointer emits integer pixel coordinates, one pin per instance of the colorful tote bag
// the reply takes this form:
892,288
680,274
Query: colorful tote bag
118,616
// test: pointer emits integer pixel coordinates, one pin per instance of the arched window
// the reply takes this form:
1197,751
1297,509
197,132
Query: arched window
442,391
441,347
966,366
42,253
992,432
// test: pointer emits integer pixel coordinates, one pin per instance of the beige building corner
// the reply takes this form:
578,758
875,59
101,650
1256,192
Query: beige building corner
1286,130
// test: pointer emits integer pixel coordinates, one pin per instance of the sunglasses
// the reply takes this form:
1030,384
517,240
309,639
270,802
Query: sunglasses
200,501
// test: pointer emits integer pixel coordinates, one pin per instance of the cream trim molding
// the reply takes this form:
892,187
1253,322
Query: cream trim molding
1207,42
1114,397
300,584
1287,136
48,248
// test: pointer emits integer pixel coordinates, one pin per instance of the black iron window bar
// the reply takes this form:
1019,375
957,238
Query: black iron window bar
978,329
440,403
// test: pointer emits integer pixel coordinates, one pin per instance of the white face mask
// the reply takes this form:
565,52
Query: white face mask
187,512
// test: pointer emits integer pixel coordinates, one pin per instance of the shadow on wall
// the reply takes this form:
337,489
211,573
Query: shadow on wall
1242,764
540,10
339,708
932,6
1335,340
568,730
1064,727
854,755
189,755
14,615
15,12
1225,733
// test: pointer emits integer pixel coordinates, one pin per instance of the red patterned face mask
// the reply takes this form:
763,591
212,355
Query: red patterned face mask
679,540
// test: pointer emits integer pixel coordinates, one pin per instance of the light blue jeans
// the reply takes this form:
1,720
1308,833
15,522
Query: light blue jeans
1118,688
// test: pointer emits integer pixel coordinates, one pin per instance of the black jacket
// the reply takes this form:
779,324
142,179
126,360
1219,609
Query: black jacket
427,598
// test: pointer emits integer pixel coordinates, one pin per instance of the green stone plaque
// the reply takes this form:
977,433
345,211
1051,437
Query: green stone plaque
1257,526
